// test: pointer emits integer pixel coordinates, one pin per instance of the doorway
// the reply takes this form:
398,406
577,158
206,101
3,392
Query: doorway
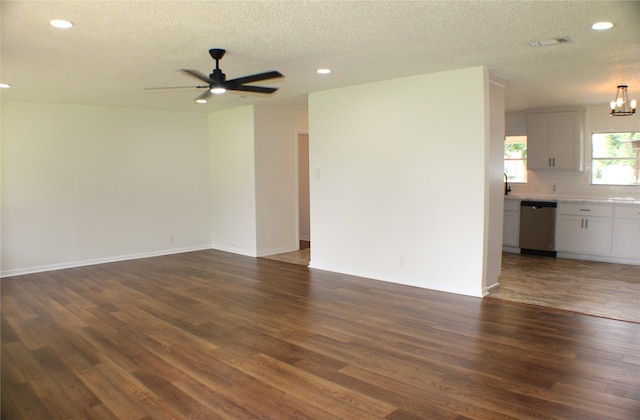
304,218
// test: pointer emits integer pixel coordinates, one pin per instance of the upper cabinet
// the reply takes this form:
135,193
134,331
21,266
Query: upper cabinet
555,140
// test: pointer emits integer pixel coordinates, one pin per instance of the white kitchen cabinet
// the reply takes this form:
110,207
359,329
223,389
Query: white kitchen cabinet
511,223
626,232
569,235
555,140
584,228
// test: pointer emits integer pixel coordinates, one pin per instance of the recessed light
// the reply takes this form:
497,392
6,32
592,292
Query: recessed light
201,101
5,85
323,71
601,26
61,24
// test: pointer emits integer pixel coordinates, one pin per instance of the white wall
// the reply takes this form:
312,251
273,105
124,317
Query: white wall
253,179
233,180
401,189
275,171
83,184
575,184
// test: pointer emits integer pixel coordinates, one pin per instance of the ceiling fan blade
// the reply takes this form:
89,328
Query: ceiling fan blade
256,78
198,75
204,95
175,87
254,89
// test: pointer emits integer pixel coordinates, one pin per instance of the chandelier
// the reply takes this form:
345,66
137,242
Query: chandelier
621,105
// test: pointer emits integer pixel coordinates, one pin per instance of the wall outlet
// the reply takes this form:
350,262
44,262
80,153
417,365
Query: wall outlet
171,239
401,261
555,188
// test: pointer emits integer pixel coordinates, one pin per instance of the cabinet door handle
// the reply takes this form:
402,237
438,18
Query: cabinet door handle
554,162
585,209
581,223
586,223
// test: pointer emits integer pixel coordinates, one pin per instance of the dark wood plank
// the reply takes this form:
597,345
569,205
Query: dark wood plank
215,335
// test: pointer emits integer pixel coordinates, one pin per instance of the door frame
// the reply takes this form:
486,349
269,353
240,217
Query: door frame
297,183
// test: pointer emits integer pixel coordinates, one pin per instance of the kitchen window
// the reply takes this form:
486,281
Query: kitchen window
615,158
515,158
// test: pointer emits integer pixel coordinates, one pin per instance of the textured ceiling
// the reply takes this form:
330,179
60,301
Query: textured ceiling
118,48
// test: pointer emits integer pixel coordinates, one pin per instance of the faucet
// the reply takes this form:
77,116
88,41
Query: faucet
507,188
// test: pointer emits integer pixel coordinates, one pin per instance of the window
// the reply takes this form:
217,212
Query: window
515,158
615,158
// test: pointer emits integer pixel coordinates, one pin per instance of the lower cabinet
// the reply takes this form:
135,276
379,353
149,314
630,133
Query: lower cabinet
626,232
584,228
511,223
598,231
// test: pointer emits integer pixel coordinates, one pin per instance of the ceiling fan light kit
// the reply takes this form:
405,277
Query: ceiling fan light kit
218,90
621,106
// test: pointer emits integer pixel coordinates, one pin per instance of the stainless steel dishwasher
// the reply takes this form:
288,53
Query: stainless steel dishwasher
538,227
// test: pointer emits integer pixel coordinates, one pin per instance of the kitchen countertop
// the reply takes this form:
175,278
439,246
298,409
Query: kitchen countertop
609,200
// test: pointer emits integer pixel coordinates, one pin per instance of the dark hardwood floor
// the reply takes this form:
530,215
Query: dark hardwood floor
212,335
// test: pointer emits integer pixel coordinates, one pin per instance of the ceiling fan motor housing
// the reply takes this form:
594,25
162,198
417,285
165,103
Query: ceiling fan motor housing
218,76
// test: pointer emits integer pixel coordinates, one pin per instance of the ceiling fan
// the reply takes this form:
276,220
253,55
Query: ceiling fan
217,83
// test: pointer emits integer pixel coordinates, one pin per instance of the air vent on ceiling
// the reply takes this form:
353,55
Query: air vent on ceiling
552,41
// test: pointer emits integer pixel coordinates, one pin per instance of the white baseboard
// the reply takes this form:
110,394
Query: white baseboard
404,281
599,258
274,251
487,290
94,261
510,249
245,252
260,253
586,257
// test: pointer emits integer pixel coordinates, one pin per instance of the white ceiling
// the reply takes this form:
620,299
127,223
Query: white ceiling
117,48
